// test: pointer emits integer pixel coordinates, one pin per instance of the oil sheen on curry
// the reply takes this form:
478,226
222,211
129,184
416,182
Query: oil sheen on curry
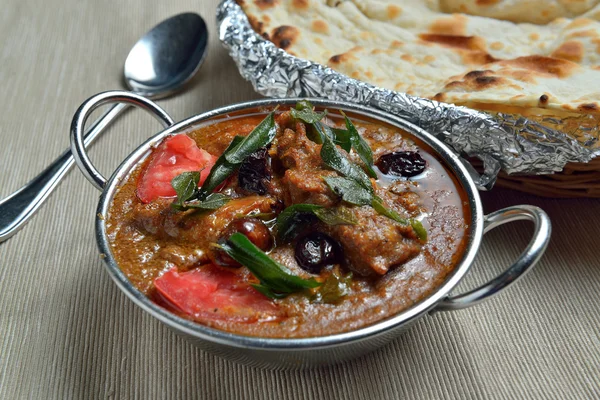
289,223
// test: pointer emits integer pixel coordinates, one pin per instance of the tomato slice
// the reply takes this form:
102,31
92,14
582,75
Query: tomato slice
214,293
174,155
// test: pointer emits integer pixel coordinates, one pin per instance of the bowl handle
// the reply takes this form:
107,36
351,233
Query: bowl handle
83,112
526,260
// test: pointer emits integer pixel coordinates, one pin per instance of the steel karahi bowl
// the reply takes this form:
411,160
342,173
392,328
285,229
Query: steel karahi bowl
312,351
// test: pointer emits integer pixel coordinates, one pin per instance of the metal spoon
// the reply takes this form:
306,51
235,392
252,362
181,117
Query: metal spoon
158,65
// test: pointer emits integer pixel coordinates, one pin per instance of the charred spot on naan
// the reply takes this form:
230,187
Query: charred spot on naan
570,50
455,25
580,23
589,108
344,57
300,4
393,11
584,108
284,36
521,75
320,26
471,48
586,33
524,69
408,58
542,65
475,81
478,58
266,4
258,26
459,42
478,74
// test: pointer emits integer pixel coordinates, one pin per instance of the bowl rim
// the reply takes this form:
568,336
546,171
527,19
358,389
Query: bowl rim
199,331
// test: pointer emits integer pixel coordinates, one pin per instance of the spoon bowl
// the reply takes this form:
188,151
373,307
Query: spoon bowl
167,57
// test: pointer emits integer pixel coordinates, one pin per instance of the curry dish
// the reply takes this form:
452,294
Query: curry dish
289,223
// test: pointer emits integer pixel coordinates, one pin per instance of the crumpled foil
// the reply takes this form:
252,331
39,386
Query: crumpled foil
502,141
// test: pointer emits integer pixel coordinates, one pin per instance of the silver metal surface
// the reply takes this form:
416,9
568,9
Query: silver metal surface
297,352
78,145
530,256
159,64
503,141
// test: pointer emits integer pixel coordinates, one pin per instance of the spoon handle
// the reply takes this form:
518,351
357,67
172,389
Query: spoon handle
19,207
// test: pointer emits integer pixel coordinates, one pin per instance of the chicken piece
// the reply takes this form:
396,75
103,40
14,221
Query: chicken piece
305,169
376,243
370,247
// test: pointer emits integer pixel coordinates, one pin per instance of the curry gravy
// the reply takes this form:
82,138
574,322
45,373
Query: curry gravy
441,205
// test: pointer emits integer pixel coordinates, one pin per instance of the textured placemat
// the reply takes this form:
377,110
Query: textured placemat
66,331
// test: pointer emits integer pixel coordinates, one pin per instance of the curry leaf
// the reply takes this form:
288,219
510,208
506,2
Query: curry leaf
269,293
342,138
355,186
324,132
220,171
417,226
185,185
313,134
349,190
419,229
261,135
304,105
304,111
317,131
383,210
334,288
337,161
212,202
336,216
361,146
274,278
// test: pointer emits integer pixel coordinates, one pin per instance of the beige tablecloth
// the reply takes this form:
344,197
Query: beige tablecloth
66,331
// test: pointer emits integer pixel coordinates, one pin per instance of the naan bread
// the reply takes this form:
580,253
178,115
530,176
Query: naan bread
479,58
534,11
